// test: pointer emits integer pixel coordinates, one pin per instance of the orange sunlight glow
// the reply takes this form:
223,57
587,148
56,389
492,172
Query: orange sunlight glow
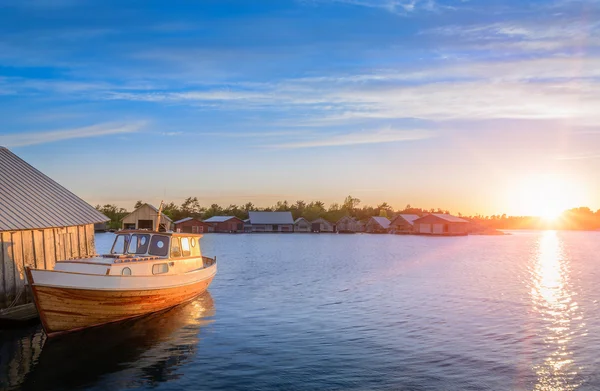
546,196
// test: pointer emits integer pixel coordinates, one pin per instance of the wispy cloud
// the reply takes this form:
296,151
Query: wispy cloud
393,6
33,138
386,135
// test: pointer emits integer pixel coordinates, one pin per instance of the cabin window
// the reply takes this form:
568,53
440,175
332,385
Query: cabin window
159,245
185,247
175,248
126,271
120,244
138,244
160,268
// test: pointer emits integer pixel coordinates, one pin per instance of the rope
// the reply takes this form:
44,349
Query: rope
12,304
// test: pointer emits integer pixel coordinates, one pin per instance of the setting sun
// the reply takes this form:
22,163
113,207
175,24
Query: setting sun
546,196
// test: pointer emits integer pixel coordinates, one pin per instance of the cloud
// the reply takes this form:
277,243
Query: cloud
386,135
99,130
401,7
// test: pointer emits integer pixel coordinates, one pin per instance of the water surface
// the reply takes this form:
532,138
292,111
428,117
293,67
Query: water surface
349,312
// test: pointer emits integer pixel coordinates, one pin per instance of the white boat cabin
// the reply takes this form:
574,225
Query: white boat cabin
144,253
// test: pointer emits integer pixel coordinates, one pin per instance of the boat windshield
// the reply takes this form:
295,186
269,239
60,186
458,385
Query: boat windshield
138,244
120,245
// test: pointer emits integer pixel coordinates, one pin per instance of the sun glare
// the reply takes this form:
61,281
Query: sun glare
547,197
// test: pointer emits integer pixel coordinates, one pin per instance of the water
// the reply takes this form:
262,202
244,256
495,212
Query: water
350,312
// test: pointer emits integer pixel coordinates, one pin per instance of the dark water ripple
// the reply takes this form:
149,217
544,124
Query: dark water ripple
350,312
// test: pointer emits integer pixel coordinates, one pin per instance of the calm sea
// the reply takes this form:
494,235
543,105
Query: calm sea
350,312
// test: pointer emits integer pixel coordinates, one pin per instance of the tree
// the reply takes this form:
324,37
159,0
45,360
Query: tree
191,207
350,204
114,213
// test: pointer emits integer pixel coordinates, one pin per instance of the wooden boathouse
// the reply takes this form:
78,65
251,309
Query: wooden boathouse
41,222
191,225
145,217
441,224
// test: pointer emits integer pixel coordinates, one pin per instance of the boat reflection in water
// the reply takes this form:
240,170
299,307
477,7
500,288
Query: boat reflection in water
554,301
140,351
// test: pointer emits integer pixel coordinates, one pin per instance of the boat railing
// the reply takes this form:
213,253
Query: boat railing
209,261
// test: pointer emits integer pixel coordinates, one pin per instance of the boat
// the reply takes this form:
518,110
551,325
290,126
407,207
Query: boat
145,272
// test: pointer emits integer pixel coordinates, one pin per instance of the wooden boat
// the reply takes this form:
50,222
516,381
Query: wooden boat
145,272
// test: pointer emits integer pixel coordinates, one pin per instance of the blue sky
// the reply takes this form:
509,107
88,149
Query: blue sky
457,104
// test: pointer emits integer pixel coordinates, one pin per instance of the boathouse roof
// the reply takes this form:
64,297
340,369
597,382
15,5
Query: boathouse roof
220,219
383,221
407,217
447,217
31,200
271,218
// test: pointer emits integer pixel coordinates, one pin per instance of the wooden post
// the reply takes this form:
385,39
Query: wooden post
158,217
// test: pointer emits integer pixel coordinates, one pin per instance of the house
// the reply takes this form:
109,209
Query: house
377,225
403,224
41,223
302,225
145,217
271,221
225,224
441,224
347,225
322,225
191,225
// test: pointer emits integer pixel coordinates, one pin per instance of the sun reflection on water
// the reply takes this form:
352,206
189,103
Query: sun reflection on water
554,302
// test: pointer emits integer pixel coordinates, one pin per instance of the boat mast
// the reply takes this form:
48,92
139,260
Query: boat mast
158,218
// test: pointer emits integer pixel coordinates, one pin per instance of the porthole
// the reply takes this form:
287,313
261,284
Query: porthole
126,271
193,242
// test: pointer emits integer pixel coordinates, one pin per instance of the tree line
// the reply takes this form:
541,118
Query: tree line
578,218
309,210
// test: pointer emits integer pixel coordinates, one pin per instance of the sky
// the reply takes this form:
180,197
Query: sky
473,106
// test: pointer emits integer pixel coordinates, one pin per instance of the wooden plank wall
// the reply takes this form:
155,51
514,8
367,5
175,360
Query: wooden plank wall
39,249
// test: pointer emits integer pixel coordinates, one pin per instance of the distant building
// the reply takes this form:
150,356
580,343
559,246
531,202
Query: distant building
347,225
302,225
271,221
41,223
322,225
101,227
225,224
441,224
377,225
191,225
145,217
403,224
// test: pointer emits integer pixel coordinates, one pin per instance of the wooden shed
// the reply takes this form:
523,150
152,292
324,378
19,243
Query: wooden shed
441,224
302,225
347,225
403,224
271,221
322,225
145,217
41,222
191,225
225,224
377,225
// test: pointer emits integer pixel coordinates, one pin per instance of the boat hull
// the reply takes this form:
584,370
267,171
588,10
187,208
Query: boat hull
64,309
